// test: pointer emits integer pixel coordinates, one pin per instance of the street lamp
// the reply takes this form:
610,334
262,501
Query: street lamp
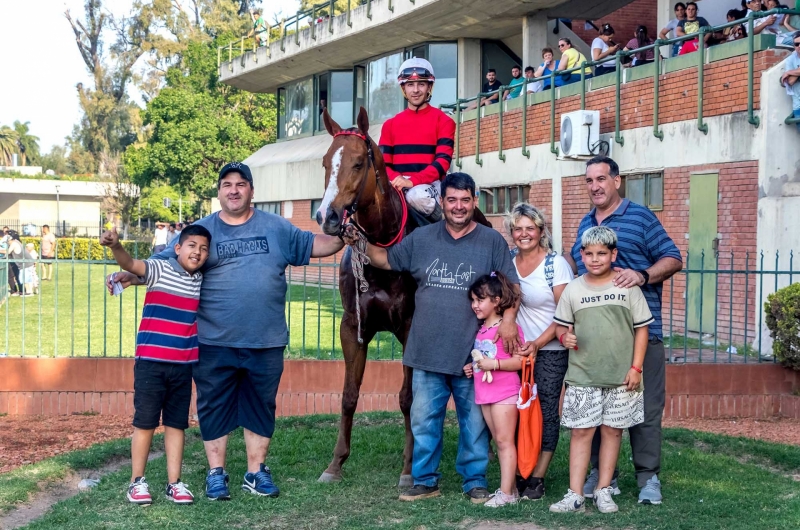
58,211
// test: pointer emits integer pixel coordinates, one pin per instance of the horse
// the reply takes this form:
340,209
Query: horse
358,191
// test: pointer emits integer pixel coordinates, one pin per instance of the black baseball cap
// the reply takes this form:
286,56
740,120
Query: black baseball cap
238,167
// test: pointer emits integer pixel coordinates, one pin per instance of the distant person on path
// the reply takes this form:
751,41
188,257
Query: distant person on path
604,325
25,265
646,257
166,349
444,259
497,382
48,247
172,234
241,325
31,248
14,285
160,237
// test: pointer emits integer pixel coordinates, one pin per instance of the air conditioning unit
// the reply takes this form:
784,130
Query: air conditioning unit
580,134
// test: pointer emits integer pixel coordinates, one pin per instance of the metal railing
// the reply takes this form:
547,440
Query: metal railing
60,228
712,311
238,47
459,106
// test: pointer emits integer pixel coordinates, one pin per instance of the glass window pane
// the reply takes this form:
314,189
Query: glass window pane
360,90
526,194
315,204
269,207
340,105
487,196
322,99
444,59
281,113
501,200
656,191
634,189
298,117
384,98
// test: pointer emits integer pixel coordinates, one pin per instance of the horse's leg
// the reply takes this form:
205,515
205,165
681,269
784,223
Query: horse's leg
406,480
355,357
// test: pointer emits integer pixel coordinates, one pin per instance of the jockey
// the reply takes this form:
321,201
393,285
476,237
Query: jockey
417,144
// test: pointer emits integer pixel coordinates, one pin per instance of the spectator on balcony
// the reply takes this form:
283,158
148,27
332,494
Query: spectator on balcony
604,47
492,84
570,58
533,86
515,86
769,25
546,68
640,40
789,78
731,33
670,32
260,28
690,25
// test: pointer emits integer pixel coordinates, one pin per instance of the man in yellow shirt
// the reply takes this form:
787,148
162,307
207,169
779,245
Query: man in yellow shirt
570,58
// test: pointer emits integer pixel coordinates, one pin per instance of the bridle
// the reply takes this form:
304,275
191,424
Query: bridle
350,210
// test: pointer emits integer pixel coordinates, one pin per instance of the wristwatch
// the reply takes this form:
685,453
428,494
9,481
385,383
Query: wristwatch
645,275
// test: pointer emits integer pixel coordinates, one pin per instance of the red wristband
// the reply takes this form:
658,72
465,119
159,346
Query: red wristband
561,339
637,369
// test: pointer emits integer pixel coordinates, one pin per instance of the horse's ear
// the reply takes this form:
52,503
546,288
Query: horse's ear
363,121
331,126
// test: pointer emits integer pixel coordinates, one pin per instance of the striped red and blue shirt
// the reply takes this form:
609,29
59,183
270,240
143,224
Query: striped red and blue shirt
418,145
168,330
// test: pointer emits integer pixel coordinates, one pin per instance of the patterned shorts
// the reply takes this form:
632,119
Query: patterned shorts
586,407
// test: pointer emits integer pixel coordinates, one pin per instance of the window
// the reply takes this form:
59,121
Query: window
315,204
360,90
646,189
322,99
294,109
340,104
269,207
499,200
384,98
444,59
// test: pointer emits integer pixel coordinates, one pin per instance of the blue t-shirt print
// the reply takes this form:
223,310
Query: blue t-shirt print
247,246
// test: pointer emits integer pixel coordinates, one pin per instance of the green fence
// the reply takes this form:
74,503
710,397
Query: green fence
712,313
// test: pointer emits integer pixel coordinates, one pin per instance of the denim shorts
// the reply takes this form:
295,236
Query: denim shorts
161,390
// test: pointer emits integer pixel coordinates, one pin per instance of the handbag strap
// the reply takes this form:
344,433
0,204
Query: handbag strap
527,371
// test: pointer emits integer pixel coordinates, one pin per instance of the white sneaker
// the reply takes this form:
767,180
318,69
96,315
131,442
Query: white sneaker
499,499
572,502
603,500
592,481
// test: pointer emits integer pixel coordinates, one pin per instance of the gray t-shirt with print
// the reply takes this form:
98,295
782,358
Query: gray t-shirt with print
243,297
444,325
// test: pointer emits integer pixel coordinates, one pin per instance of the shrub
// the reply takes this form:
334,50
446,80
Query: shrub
783,320
89,248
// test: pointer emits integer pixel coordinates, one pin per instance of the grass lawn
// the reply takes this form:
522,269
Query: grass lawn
74,315
710,482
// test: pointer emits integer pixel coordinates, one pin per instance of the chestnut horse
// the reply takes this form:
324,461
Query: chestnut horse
357,190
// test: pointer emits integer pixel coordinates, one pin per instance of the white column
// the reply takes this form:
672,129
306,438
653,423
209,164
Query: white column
534,38
469,67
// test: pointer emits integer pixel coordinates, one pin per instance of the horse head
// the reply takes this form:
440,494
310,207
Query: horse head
350,172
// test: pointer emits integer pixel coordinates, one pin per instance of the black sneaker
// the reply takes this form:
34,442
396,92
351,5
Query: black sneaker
521,483
478,495
419,492
534,490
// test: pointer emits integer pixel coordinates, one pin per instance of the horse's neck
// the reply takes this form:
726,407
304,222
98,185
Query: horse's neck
383,217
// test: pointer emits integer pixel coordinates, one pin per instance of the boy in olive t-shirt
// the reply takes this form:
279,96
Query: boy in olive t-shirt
605,327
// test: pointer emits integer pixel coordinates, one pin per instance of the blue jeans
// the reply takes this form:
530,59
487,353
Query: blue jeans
796,114
431,393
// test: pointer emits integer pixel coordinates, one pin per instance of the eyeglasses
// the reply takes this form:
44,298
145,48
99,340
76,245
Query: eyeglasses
561,45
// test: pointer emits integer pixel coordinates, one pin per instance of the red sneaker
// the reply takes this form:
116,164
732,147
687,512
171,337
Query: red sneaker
179,493
139,492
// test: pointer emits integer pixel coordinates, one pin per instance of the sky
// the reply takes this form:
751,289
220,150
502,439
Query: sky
40,63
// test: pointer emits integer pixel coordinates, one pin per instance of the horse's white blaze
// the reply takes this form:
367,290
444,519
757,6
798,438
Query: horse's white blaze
333,185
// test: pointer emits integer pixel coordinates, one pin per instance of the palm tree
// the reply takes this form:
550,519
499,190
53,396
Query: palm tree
8,144
27,143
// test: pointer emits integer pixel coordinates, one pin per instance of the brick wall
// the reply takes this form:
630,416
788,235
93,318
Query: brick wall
624,21
722,94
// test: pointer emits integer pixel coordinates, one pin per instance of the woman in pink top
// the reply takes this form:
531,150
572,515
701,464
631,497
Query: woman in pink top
48,253
496,380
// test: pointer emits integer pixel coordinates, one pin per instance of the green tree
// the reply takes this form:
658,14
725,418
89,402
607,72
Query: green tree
152,204
27,144
8,144
56,160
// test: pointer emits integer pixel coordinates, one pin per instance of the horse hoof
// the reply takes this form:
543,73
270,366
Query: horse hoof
329,478
406,481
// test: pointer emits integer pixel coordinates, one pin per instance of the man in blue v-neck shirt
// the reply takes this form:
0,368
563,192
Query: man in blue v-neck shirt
646,257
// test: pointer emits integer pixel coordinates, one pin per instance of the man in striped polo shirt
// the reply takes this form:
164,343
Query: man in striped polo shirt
166,349
646,257
417,144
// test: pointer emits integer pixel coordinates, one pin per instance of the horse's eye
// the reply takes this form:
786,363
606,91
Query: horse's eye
358,165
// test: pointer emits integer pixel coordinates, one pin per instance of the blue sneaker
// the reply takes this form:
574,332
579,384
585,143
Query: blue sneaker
651,492
217,485
260,483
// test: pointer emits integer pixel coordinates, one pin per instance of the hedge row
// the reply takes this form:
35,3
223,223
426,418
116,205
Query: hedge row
88,248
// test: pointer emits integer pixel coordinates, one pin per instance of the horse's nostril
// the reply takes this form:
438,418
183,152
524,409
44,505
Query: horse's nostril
319,218
333,217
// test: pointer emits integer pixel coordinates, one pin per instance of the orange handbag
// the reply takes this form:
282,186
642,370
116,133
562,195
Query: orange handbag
529,434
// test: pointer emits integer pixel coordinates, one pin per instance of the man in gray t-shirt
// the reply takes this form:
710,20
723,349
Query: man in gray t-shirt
241,325
445,258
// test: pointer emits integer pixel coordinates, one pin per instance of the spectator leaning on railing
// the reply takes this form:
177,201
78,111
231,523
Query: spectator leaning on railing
680,14
515,86
640,40
492,84
789,78
570,58
690,25
533,86
260,28
546,68
604,47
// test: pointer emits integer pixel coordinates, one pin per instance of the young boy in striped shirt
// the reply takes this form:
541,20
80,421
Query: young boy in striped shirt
166,347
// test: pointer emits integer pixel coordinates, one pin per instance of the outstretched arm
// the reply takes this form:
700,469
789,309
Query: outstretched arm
110,239
325,245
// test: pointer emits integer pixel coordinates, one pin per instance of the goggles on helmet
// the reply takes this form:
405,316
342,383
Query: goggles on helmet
415,73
